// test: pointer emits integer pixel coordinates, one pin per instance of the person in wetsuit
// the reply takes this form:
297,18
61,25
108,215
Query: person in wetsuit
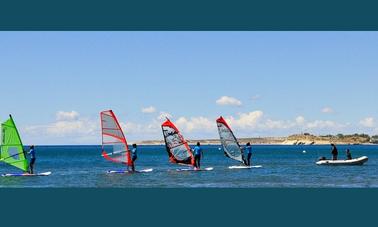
248,153
32,159
349,155
334,152
134,157
197,156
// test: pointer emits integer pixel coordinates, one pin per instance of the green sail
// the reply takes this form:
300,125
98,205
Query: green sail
12,150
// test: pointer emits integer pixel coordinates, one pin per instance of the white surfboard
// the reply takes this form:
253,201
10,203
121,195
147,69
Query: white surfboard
195,170
27,174
126,171
244,167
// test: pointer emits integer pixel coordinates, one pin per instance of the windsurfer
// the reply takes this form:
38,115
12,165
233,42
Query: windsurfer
348,154
134,157
197,156
334,152
32,159
248,150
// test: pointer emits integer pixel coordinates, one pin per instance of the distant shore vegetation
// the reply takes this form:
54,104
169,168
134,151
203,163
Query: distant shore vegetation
307,138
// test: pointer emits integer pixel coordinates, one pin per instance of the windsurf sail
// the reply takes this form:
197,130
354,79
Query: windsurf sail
178,149
12,150
229,142
114,144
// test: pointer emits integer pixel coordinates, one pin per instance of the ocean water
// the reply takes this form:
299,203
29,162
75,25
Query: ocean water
283,167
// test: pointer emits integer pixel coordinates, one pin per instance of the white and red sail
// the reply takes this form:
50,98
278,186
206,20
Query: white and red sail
229,142
114,144
178,149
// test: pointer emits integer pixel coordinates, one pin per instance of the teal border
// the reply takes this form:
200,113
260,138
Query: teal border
188,207
209,15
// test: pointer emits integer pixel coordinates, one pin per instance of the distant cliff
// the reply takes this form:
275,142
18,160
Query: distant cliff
308,139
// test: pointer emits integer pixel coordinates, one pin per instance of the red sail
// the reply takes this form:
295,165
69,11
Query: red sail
114,144
178,149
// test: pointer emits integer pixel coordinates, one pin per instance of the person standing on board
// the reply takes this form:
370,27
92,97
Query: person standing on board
248,153
32,159
134,157
197,156
349,155
335,153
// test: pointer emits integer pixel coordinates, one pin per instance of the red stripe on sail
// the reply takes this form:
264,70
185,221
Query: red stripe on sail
119,140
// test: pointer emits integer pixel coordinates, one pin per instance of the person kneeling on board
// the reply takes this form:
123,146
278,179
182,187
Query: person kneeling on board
32,159
348,155
334,152
248,152
134,157
197,156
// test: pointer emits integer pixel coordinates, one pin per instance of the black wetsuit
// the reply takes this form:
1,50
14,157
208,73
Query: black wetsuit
248,150
335,153
349,156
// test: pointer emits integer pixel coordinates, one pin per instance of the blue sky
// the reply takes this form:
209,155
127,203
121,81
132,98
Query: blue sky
272,83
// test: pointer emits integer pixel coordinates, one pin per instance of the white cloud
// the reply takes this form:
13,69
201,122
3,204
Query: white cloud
131,128
368,122
69,128
150,109
67,116
246,120
228,101
255,121
195,124
327,110
64,128
278,124
272,124
320,124
300,120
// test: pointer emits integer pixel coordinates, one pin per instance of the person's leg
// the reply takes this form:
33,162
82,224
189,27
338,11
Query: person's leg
249,159
196,161
133,164
32,166
199,162
244,160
